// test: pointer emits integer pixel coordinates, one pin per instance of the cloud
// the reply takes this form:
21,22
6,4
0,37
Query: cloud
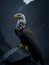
28,1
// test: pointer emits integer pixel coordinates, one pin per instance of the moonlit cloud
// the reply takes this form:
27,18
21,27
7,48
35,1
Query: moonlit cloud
28,1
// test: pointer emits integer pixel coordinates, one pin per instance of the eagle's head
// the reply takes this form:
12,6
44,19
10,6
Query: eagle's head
21,21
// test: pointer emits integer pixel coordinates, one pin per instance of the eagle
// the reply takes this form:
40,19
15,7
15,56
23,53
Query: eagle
27,37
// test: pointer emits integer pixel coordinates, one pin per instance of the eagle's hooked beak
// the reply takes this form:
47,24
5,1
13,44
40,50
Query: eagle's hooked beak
16,16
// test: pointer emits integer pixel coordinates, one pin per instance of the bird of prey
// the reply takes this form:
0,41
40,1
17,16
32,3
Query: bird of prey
27,37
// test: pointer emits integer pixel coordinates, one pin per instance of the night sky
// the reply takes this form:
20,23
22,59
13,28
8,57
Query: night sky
37,16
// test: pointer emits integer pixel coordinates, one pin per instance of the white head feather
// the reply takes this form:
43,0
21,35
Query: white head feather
21,21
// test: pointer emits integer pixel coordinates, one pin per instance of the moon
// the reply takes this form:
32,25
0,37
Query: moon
27,1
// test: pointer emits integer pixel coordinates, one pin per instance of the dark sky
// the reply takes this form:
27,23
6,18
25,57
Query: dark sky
36,13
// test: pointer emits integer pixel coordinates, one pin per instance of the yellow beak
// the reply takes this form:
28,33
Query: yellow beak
16,16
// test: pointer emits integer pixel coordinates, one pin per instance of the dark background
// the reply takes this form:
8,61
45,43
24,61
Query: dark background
37,15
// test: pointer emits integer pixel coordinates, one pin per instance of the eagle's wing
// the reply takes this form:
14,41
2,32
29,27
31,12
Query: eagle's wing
33,44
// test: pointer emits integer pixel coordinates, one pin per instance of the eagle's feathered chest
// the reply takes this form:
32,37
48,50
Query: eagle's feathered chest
23,39
25,36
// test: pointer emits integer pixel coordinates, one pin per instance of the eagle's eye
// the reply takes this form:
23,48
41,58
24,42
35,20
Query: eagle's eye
18,15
